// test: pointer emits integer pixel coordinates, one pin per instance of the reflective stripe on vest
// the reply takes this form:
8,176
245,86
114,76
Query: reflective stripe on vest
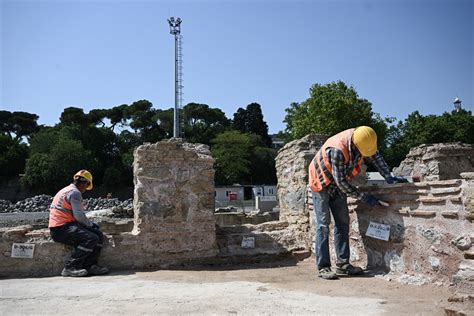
320,170
60,211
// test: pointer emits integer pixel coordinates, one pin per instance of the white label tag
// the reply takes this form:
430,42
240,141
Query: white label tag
22,250
378,231
248,242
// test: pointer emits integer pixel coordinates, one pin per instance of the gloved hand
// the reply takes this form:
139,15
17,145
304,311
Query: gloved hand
370,200
391,180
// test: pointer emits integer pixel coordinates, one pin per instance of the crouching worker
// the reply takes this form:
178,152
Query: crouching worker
69,225
335,164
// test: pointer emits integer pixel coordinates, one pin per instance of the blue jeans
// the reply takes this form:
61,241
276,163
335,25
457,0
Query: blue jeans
323,203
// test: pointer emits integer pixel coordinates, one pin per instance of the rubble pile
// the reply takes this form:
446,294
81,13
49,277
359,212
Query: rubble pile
41,203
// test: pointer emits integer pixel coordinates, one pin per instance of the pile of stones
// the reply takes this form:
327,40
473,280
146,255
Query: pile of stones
41,203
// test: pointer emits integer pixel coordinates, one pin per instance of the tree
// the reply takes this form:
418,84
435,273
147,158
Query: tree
250,120
262,162
53,170
202,123
13,155
17,125
417,129
14,128
231,150
330,109
73,116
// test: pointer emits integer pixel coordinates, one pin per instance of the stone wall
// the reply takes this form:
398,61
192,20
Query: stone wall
432,162
292,172
431,232
430,223
173,219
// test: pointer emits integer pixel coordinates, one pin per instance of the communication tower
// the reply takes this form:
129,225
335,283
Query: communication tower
175,30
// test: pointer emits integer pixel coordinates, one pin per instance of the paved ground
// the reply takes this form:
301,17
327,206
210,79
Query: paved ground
274,289
23,218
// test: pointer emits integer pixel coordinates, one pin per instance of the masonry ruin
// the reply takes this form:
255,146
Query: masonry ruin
430,222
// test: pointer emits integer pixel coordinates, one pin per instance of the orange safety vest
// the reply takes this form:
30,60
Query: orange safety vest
60,211
320,176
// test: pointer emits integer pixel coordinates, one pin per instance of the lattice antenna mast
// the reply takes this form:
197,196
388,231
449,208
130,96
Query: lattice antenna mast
175,29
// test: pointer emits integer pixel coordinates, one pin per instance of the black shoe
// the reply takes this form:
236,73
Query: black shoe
73,272
349,269
326,273
98,270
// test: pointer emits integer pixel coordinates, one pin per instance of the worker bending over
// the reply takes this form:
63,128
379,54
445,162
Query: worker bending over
334,165
69,225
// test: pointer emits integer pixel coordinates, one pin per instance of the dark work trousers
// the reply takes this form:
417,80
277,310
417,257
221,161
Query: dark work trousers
87,243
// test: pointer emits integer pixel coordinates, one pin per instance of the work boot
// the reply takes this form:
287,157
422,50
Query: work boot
349,269
98,270
73,272
326,273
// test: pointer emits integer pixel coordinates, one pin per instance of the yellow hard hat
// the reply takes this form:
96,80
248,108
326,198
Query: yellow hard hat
365,139
85,175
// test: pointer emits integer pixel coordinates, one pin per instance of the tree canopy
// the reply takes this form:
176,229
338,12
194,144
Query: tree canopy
330,109
250,120
103,140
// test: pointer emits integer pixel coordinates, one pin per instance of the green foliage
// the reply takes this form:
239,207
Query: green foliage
457,126
18,124
13,156
243,158
203,123
37,171
14,128
164,119
262,164
41,141
73,116
112,177
329,110
53,170
250,120
231,150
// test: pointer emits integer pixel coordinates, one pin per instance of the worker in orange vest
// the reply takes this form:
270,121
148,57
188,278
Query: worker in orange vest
69,225
334,165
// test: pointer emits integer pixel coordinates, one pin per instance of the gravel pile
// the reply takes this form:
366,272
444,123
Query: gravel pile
41,203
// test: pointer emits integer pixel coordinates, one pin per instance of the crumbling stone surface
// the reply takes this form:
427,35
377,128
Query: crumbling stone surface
292,172
434,162
173,221
430,222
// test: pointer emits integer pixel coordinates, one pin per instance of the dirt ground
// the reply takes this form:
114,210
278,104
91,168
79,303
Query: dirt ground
265,289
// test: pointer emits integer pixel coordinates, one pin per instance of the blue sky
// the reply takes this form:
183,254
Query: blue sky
400,55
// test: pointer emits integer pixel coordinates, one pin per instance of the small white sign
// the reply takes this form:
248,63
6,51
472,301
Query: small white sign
248,242
378,231
268,198
23,250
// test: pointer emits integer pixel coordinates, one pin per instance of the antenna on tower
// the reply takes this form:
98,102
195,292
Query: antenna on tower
175,29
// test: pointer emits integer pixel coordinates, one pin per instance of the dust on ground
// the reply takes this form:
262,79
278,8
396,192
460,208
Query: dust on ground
263,289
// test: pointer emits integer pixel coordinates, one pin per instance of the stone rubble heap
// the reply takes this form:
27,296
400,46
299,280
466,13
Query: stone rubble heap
41,203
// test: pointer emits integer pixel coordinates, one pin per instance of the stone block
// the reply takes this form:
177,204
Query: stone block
467,175
469,255
431,199
462,242
450,214
422,213
440,191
